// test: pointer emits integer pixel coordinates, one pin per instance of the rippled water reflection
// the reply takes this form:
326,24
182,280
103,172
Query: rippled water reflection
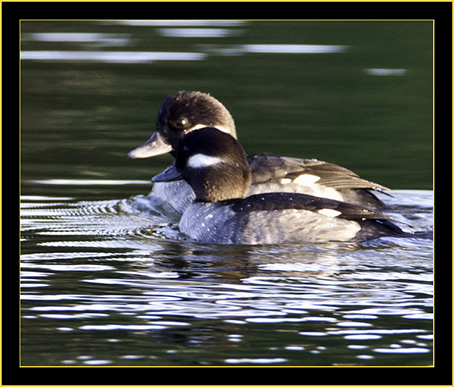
103,285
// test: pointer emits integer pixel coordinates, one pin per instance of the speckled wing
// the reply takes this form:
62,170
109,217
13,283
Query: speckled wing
313,177
265,168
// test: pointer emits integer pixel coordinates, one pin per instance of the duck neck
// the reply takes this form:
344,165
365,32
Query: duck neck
213,185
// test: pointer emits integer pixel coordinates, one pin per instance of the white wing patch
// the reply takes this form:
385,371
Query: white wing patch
200,160
329,212
306,179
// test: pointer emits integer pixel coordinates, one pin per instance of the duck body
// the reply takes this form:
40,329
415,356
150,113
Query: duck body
243,222
276,174
188,111
217,169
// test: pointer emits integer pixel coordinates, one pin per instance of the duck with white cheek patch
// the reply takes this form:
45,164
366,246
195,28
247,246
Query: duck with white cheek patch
214,164
187,111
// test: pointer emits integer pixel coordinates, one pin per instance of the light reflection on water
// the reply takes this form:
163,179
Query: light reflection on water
110,57
87,37
177,23
90,267
146,57
111,40
198,32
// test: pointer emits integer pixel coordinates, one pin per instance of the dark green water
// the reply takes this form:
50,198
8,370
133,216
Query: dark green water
103,285
79,118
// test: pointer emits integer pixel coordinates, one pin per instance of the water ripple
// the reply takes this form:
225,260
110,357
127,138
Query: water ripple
103,266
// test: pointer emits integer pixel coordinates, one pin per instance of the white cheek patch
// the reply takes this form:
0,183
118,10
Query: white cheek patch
200,160
306,179
329,212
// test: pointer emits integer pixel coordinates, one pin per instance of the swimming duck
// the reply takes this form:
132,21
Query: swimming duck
188,111
216,167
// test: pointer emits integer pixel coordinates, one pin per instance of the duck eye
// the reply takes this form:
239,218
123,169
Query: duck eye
180,123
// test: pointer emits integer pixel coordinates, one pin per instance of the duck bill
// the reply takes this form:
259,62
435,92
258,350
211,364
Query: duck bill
155,146
170,174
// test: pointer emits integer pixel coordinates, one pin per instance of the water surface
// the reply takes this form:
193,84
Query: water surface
103,285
